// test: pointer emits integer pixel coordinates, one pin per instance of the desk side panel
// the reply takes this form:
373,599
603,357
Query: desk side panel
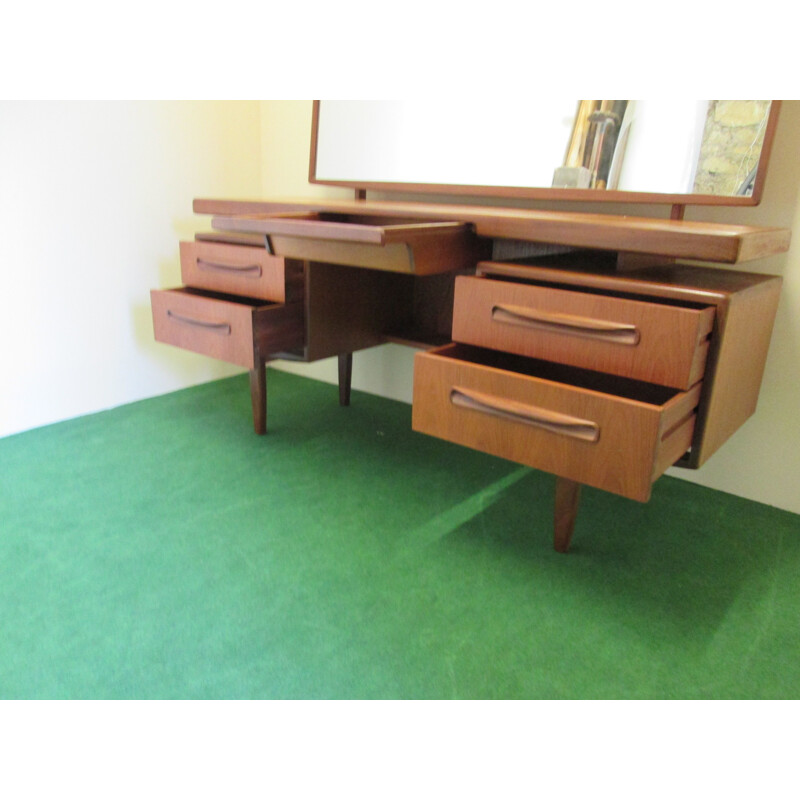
736,365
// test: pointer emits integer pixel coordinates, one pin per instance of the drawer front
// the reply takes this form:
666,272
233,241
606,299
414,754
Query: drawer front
648,341
229,331
234,269
616,444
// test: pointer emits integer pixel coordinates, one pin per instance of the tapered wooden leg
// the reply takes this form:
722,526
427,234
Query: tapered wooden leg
568,495
345,377
258,396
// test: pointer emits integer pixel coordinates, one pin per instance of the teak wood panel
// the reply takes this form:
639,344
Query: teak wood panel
614,443
231,237
396,257
349,309
662,344
235,269
671,281
736,365
704,241
236,332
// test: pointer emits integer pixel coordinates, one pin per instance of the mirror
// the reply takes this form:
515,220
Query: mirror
657,151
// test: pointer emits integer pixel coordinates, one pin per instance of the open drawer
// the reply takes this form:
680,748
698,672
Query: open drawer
233,329
612,433
387,243
658,342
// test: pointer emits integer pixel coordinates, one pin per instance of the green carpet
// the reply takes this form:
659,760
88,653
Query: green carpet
162,550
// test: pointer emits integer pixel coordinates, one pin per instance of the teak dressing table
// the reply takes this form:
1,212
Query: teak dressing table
589,352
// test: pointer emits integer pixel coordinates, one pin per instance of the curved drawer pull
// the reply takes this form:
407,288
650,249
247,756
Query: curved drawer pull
598,329
530,415
218,327
247,270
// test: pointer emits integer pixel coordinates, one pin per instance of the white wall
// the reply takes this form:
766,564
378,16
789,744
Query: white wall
93,200
762,460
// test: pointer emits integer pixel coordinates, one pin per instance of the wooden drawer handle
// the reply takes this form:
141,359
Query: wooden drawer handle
530,415
598,329
248,270
218,327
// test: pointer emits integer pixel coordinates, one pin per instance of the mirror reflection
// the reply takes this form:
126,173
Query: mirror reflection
707,147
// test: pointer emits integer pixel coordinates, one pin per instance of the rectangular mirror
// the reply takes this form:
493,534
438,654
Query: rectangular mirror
710,152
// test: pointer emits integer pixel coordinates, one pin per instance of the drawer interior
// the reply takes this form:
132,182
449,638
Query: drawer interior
250,302
367,219
630,389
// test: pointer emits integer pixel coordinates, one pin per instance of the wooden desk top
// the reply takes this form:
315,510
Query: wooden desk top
704,241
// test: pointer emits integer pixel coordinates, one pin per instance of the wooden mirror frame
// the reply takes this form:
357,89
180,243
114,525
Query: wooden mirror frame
549,193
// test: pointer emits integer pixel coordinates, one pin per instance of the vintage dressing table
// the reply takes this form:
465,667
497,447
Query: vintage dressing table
575,343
